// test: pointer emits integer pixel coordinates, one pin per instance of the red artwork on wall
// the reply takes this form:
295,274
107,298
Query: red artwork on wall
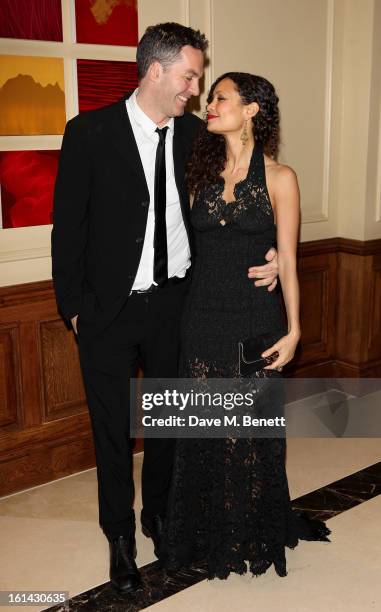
31,19
26,187
104,82
107,22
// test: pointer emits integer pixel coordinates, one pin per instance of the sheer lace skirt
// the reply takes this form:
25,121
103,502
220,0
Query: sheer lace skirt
229,506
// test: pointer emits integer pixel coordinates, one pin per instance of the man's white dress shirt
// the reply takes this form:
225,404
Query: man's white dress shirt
177,240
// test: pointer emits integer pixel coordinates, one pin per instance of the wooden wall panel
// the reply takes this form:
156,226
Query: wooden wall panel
45,429
313,287
63,390
37,464
353,302
10,414
358,326
317,277
374,331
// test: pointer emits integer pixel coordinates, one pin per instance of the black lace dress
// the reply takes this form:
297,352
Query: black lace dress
229,501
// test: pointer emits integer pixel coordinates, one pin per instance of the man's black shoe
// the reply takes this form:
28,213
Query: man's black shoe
124,574
153,528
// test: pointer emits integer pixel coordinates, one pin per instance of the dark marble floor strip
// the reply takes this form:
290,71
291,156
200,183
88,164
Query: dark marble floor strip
341,495
157,584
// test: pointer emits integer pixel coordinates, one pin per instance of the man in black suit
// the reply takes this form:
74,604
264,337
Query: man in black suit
121,250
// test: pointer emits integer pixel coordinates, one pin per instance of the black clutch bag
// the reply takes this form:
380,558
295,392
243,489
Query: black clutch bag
250,350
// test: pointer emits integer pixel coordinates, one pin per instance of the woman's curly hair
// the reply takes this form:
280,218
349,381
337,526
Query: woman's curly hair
208,157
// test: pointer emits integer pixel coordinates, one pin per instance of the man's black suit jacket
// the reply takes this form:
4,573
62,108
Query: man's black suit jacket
101,203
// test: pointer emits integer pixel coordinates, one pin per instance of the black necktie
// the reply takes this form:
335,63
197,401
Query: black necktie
160,264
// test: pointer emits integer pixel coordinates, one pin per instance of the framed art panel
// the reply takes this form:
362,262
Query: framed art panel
103,82
31,19
32,98
107,22
26,187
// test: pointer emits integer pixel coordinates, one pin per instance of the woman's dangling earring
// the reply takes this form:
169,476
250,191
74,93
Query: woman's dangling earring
205,114
244,136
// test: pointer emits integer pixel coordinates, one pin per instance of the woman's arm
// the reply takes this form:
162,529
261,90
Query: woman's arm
287,211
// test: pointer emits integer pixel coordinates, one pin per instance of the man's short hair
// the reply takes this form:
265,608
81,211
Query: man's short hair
163,43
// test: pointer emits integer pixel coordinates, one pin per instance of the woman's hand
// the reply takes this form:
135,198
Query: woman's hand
285,347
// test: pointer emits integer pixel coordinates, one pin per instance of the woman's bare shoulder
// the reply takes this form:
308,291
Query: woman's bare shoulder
279,174
279,170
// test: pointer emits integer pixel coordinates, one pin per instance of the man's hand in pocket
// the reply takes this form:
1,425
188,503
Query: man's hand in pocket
74,324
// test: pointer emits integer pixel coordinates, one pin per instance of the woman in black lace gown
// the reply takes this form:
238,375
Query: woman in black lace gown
229,502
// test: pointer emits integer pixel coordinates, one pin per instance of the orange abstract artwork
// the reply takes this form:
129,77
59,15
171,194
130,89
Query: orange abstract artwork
32,98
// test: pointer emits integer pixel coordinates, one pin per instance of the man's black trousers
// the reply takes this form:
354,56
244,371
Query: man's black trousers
146,330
